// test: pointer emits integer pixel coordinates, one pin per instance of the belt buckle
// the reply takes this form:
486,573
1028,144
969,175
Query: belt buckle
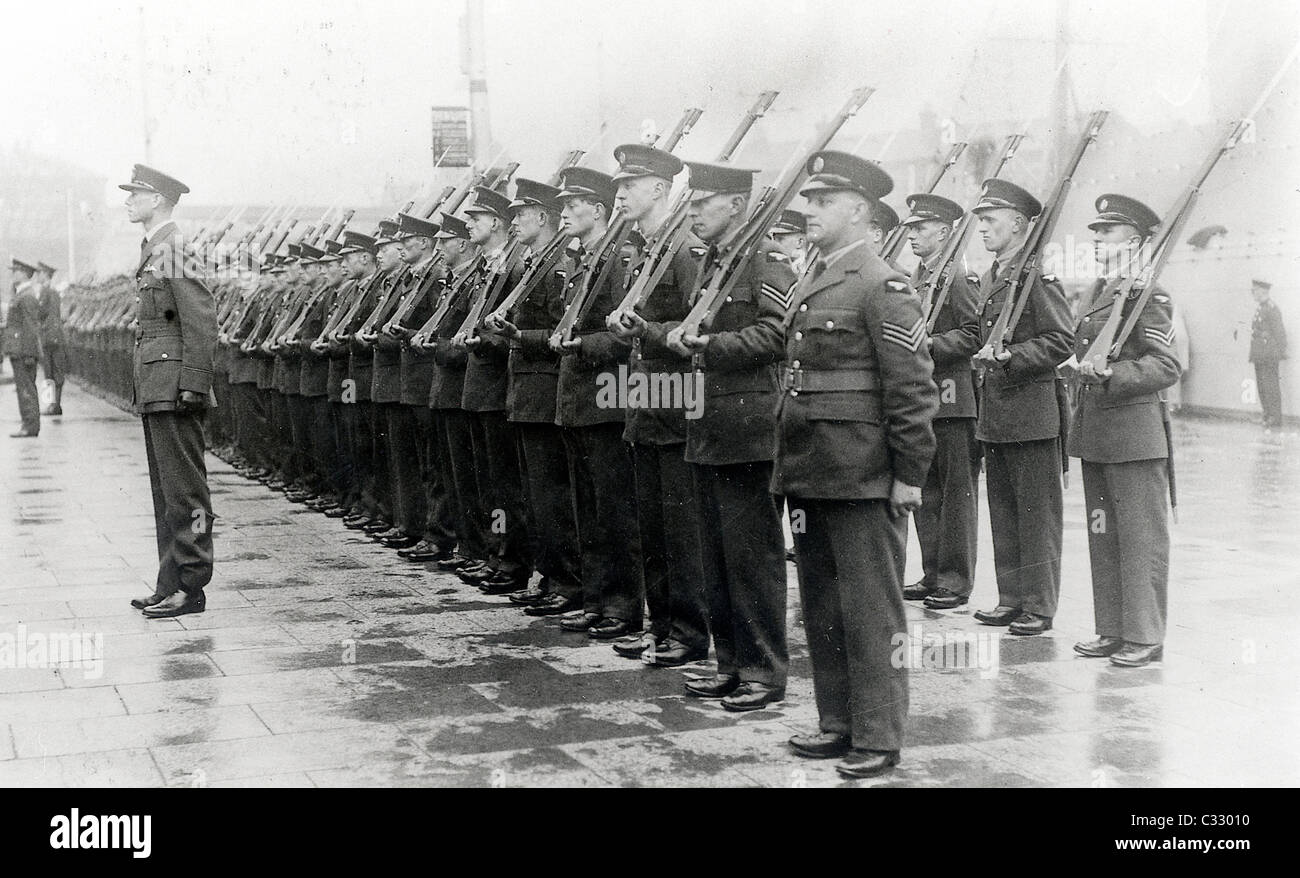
793,379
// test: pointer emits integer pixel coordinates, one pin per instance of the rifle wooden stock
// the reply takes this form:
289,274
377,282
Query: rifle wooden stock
431,326
898,235
937,288
546,260
1152,257
1028,267
770,204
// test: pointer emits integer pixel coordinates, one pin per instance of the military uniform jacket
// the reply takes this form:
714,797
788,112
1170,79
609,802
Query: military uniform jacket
956,338
23,324
361,360
51,316
416,370
337,354
243,367
1020,402
1122,419
288,361
666,306
534,367
746,341
487,367
386,383
858,394
576,397
1267,334
176,334
448,385
314,368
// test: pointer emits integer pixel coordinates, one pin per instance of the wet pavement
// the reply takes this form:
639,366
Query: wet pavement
326,660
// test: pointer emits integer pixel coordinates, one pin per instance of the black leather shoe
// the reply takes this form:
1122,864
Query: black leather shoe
141,603
1000,616
178,603
1099,648
789,555
1030,624
1136,655
23,434
356,523
377,527
609,628
917,591
455,561
942,599
633,646
867,763
672,654
753,696
300,496
404,541
531,595
391,533
823,745
505,583
717,686
553,605
580,622
476,575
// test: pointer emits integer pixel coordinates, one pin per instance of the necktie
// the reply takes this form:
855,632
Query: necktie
997,266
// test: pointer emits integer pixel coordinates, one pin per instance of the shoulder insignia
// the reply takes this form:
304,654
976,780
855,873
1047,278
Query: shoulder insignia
1050,278
1163,300
896,286
697,252
782,298
560,272
973,278
909,337
777,256
1160,338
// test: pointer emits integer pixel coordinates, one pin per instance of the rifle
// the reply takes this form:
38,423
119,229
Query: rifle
677,227
1151,255
894,242
290,335
1028,267
609,244
950,260
750,235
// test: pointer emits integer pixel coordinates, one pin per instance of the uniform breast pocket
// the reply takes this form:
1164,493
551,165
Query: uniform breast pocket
159,375
827,334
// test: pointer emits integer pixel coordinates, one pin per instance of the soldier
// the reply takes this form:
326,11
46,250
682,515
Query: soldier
52,336
946,522
1020,420
667,511
853,442
1120,433
884,219
530,402
729,448
314,382
386,394
1267,349
175,340
600,464
23,345
789,233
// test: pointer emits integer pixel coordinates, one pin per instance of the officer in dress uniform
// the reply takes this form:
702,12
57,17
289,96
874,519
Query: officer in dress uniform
946,522
1020,419
729,447
853,443
52,337
23,345
176,337
1267,349
1119,432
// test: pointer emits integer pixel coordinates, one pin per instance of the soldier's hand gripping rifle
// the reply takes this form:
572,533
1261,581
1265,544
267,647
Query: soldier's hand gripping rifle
1028,265
604,254
750,235
898,235
677,227
934,291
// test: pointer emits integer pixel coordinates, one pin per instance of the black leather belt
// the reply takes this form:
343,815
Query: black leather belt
820,380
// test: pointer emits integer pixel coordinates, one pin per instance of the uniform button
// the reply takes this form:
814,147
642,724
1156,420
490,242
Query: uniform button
803,307
989,323
795,364
798,336
728,298
830,324
164,356
137,300
1086,319
794,393
1085,341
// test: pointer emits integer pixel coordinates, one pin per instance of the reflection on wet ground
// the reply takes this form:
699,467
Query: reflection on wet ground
325,660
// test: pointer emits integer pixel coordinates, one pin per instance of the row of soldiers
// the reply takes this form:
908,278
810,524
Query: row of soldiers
33,334
510,390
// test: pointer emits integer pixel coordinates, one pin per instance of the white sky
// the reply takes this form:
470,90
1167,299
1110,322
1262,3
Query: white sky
323,101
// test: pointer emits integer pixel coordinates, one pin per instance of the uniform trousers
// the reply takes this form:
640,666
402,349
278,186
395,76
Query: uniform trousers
545,470
1269,388
501,492
457,458
1128,545
946,523
182,509
29,401
1025,513
850,556
404,470
742,551
604,496
439,526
